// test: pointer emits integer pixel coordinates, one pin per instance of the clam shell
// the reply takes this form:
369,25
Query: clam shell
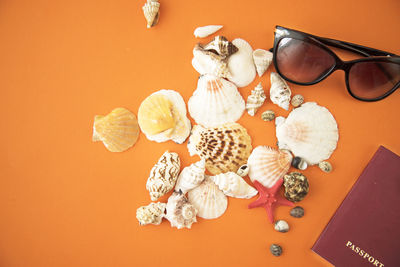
207,62
310,132
268,165
262,59
233,185
205,31
224,148
180,213
280,91
151,214
191,176
151,12
119,130
241,66
215,101
255,100
221,46
208,199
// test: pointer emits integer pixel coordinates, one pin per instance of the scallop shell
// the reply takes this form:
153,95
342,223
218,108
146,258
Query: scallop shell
162,117
224,148
255,100
268,165
215,101
205,31
233,185
208,199
119,130
151,12
310,132
221,46
262,59
241,66
191,176
163,175
151,214
180,213
280,91
207,62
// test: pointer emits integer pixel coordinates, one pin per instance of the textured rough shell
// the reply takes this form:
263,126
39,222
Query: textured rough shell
224,148
207,62
205,31
220,46
151,12
180,213
215,101
191,176
163,175
268,115
255,100
296,186
268,165
262,59
280,91
241,66
233,185
208,199
276,250
310,132
151,214
119,130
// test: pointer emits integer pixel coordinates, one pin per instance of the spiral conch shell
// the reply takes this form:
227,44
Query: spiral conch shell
224,148
151,10
262,59
280,91
163,175
233,185
207,62
119,130
205,31
191,176
255,100
180,213
151,214
221,46
241,66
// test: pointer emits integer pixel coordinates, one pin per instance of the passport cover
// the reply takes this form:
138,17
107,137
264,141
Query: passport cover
365,230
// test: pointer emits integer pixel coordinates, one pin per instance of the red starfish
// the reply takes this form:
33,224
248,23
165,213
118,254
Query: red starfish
268,197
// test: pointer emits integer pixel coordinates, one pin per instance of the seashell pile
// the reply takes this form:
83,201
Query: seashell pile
180,212
205,31
241,66
255,100
151,214
233,185
191,176
296,186
151,12
280,91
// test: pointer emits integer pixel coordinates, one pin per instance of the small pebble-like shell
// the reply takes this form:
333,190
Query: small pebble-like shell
151,214
280,91
299,163
281,226
205,31
255,100
296,186
233,185
275,249
151,10
297,100
180,213
220,46
191,176
268,115
325,166
243,170
262,59
297,212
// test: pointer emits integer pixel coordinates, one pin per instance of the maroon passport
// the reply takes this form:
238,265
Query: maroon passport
365,230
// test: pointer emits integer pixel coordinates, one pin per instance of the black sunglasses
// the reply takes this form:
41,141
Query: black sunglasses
305,59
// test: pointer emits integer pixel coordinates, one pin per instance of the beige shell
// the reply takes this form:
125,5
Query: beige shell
225,148
221,46
163,175
207,62
310,132
262,59
241,66
268,165
233,185
325,166
151,214
208,199
151,10
297,100
191,176
255,100
205,31
280,91
268,115
119,130
180,213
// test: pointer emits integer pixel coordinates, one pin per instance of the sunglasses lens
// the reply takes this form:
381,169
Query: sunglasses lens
371,80
301,61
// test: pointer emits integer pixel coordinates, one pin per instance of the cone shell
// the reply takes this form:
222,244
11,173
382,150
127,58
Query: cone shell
262,59
255,100
191,176
119,130
208,199
268,165
163,175
180,212
207,62
221,46
233,185
215,101
224,148
241,66
151,214
310,132
280,91
205,31
151,12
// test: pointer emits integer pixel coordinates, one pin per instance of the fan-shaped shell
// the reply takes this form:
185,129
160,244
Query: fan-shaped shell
268,165
208,199
205,31
151,10
151,214
279,91
225,148
180,213
191,176
240,64
310,132
215,101
262,59
118,130
233,185
255,100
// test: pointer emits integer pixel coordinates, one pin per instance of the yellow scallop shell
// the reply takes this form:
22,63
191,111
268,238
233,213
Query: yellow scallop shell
119,130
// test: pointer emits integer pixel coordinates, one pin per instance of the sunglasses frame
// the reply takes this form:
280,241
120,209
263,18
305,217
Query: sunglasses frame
370,55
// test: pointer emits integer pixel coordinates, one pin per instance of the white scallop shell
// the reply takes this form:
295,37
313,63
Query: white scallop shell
208,199
262,59
215,101
233,185
191,176
280,91
241,65
310,132
180,213
205,31
206,62
255,100
151,214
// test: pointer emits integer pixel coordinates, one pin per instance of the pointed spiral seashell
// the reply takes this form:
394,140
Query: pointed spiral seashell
310,132
191,176
151,10
215,101
268,165
205,31
119,130
221,46
280,91
262,59
207,62
151,214
241,66
208,199
233,185
180,213
255,100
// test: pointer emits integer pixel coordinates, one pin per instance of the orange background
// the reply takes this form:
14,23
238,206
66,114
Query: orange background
66,201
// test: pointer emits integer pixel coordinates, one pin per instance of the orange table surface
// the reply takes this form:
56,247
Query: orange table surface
66,201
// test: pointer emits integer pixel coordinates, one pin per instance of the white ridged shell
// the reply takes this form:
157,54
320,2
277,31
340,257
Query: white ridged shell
262,59
205,31
280,91
241,65
255,100
191,176
151,214
233,185
180,213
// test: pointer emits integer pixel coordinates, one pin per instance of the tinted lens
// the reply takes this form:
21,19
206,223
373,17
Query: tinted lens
301,61
371,80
